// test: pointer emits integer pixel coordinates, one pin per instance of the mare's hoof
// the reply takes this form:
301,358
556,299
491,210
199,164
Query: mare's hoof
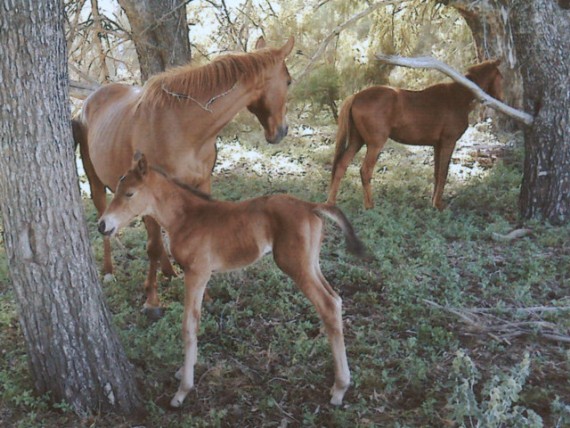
154,314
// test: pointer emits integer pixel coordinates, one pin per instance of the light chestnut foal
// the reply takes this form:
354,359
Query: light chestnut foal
209,236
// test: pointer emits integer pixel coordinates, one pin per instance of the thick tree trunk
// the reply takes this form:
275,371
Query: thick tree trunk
541,33
74,354
160,33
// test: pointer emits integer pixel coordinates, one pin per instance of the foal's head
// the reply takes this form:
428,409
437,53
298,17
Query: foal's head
131,198
488,76
270,107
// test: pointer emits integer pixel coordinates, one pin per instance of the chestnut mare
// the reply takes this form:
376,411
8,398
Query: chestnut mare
209,236
436,116
175,119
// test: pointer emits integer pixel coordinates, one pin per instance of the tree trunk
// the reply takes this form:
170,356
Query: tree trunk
533,37
493,39
159,31
541,33
74,354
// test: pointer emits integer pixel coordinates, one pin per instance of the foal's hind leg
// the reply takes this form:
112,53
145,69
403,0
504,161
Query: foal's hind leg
339,169
303,268
156,254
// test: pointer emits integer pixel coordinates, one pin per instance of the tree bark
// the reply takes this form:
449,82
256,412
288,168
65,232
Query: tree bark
74,353
159,31
541,33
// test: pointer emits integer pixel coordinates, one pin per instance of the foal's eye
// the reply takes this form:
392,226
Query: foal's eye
129,194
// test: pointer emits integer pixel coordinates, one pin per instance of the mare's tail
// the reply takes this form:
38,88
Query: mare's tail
79,134
353,244
342,133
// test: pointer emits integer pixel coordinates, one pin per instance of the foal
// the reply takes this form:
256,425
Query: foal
201,232
436,116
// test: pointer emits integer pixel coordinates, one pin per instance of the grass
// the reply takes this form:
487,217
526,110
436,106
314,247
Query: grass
263,360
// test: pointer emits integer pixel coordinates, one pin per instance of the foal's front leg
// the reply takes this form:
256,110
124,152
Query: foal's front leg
195,284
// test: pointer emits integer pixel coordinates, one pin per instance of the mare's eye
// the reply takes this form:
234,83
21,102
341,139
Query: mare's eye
129,194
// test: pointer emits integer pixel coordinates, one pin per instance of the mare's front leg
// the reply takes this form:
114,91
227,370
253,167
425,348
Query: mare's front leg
156,254
195,284
442,156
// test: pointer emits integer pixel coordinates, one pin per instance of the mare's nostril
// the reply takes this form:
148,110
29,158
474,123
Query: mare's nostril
101,227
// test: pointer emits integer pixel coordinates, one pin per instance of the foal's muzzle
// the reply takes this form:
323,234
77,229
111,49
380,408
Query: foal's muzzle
102,229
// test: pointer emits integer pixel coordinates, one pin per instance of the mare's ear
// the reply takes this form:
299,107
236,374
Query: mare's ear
260,44
497,62
141,163
287,47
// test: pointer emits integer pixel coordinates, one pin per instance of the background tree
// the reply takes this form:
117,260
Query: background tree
159,30
74,354
534,37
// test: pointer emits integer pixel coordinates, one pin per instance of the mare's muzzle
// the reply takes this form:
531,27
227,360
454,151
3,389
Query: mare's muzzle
281,133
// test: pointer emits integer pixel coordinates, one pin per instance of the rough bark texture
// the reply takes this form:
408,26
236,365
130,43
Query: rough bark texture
74,354
160,33
541,33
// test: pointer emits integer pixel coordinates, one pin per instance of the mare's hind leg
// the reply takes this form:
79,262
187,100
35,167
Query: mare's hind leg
156,254
99,198
303,267
442,157
339,169
372,152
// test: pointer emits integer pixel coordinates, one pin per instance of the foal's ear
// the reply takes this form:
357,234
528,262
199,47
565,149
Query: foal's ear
260,44
288,47
142,165
497,62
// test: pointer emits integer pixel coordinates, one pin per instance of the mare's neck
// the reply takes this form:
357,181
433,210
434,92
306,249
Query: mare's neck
207,117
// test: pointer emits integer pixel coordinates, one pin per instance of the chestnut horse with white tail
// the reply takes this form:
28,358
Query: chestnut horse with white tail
209,236
174,119
436,116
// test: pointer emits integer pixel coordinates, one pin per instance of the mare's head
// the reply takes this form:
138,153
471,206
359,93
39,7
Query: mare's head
488,76
130,200
270,106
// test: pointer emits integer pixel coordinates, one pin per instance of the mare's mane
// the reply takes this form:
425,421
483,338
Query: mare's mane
201,84
182,185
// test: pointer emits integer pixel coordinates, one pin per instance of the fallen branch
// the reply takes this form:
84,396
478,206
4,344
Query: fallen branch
480,322
486,99
511,236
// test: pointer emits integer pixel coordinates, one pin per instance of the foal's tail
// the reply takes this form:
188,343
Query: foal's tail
353,244
342,133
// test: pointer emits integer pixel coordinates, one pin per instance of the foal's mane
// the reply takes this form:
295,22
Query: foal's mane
200,84
182,185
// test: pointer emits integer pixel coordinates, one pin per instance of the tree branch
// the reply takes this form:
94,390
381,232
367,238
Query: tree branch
486,99
337,30
81,90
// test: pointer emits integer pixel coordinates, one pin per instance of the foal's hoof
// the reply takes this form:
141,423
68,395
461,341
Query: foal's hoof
154,314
